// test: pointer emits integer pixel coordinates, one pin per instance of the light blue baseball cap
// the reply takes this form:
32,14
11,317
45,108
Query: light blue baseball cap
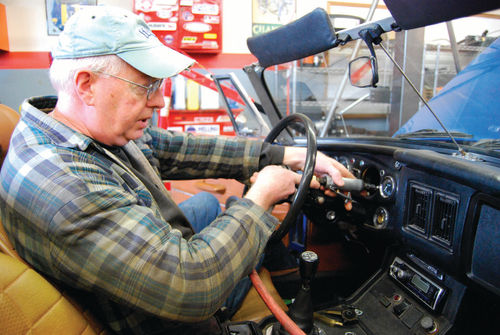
107,30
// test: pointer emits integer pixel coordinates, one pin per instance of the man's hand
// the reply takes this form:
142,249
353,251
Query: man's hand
272,184
295,158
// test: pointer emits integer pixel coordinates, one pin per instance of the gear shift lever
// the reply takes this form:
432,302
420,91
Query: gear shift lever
301,311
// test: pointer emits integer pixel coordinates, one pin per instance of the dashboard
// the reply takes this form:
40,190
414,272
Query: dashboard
440,214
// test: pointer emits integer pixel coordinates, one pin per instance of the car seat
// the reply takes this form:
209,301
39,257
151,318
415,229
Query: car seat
8,120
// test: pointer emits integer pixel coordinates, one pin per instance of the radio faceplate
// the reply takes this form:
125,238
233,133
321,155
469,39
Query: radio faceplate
419,285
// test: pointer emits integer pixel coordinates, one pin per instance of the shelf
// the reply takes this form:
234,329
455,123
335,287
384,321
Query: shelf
460,48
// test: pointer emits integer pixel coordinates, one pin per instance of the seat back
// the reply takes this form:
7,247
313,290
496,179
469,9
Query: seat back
8,120
29,304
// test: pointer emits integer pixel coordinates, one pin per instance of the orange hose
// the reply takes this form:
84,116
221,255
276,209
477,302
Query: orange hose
280,315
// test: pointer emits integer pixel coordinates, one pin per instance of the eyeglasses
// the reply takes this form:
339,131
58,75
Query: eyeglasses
150,89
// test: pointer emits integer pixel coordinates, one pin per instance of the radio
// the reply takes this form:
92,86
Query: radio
420,286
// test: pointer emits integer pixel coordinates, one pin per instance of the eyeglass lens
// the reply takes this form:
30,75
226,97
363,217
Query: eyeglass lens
154,87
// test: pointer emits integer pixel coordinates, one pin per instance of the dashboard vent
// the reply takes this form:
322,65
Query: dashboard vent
420,199
443,223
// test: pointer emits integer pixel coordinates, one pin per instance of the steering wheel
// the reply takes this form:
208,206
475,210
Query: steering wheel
299,197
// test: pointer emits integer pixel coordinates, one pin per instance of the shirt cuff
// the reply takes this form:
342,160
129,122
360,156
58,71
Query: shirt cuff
271,154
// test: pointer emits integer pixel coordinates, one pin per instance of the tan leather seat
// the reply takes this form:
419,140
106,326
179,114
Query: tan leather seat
29,304
253,307
8,120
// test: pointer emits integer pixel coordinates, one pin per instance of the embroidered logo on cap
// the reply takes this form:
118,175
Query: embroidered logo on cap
146,32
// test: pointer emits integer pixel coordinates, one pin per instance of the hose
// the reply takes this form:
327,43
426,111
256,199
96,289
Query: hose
280,315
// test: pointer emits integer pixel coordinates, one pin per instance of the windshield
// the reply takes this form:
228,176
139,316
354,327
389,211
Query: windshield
311,86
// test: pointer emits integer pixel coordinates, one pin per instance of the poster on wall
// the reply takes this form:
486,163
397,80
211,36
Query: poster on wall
200,26
162,17
271,14
59,11
190,25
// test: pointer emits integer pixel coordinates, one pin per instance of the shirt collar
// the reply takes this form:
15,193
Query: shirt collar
35,111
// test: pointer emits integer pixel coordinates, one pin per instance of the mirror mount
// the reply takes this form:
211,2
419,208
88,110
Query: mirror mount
371,35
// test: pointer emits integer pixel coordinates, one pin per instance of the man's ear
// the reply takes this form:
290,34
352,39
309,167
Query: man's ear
84,86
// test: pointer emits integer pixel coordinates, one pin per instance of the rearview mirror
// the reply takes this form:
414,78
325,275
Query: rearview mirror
363,72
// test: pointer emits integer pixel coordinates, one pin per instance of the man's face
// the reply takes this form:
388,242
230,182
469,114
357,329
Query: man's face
122,110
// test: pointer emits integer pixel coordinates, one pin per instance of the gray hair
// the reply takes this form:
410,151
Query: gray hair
63,71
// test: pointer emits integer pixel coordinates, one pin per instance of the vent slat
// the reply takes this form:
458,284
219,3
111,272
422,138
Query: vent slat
420,201
443,223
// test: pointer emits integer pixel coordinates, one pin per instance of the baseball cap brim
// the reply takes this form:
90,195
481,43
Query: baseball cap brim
157,62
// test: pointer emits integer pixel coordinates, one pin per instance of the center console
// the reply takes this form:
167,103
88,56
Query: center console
407,297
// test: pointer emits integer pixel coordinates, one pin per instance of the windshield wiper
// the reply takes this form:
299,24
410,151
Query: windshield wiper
434,133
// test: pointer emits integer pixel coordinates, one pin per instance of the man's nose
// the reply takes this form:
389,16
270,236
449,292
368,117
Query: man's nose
156,100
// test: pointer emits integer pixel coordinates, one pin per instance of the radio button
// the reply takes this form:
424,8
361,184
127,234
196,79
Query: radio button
385,301
403,275
401,307
411,317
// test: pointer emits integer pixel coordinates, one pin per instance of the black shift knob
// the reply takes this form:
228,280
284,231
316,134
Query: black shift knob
308,265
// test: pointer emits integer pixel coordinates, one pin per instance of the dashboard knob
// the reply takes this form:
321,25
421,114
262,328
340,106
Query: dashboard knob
380,218
428,325
402,274
330,215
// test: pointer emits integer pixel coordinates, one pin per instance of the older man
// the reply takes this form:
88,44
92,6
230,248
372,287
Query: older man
81,192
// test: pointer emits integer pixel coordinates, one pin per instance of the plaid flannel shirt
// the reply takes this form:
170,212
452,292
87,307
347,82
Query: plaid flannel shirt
81,218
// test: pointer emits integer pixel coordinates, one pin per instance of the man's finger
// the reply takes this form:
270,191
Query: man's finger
315,184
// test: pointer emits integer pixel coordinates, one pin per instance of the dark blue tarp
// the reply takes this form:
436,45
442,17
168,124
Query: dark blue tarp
469,103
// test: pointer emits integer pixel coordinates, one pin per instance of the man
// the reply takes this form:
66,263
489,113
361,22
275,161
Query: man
81,192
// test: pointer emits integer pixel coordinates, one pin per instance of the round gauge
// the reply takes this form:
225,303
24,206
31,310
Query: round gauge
387,187
380,218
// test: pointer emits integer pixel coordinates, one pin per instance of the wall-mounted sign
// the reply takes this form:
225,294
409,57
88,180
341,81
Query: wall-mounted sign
271,14
59,11
190,25
162,17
